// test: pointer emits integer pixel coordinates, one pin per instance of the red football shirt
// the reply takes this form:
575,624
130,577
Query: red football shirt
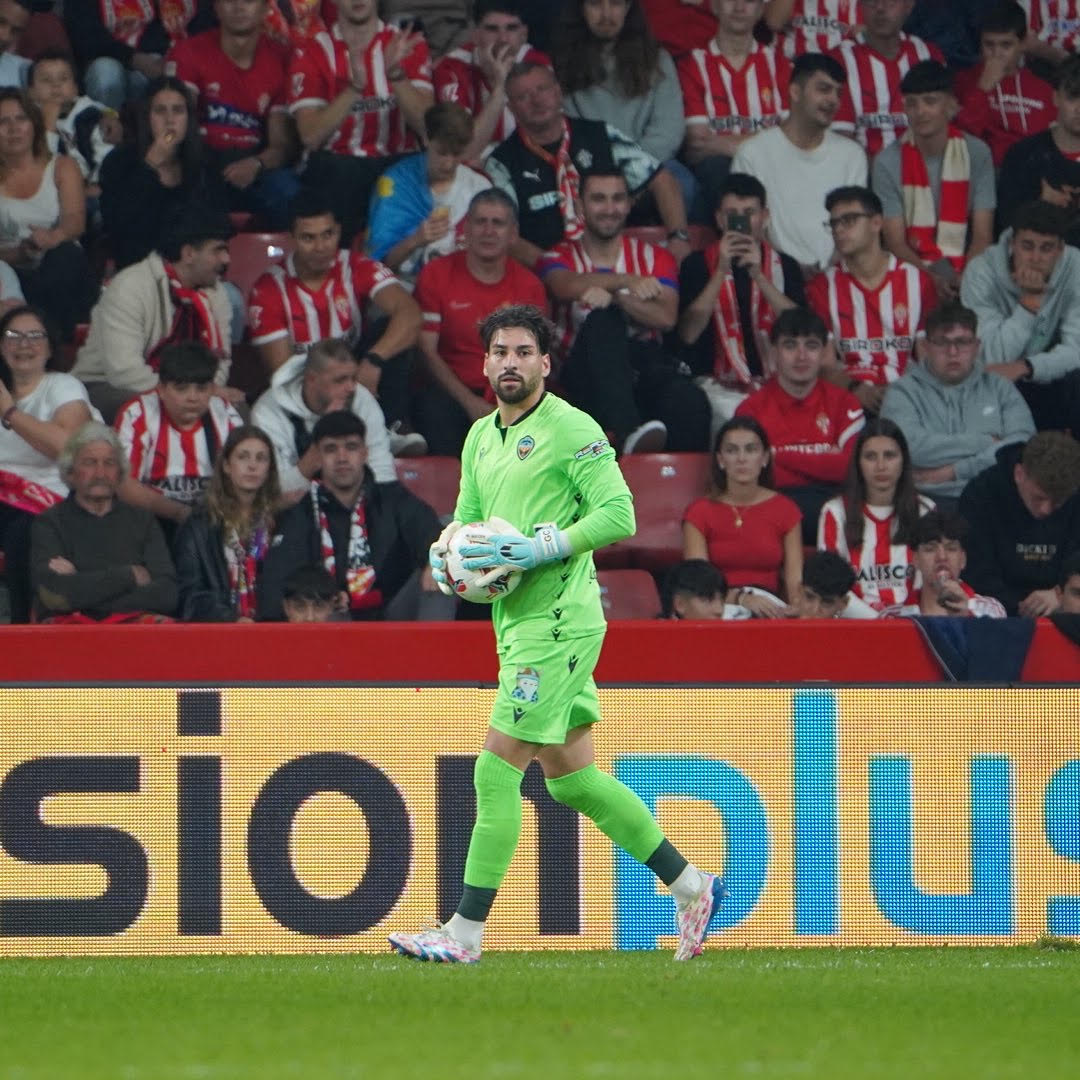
280,305
1055,21
734,101
812,437
455,304
872,107
819,25
751,553
233,102
874,331
637,257
680,26
320,70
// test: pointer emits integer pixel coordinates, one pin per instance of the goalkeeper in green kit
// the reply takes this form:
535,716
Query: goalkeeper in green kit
547,469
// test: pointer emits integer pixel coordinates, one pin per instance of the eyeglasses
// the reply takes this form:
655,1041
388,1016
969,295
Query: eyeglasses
16,336
957,344
844,221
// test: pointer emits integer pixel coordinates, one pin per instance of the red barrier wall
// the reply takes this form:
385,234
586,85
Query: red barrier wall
635,652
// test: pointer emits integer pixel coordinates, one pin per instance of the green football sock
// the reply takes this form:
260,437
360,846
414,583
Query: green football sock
497,829
616,810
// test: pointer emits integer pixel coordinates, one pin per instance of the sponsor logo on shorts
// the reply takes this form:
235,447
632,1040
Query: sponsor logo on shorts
526,688
525,446
594,449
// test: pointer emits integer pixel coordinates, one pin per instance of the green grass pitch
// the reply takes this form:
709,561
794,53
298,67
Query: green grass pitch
854,1013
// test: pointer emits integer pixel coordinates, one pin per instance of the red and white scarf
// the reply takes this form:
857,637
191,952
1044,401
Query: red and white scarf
243,561
359,573
25,495
127,19
940,234
729,357
567,179
193,319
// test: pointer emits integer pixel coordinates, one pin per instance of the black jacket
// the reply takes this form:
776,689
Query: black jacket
400,530
201,571
1026,166
1009,552
90,37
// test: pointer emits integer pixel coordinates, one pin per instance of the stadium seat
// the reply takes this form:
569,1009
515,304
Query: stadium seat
628,594
45,31
663,486
251,253
433,479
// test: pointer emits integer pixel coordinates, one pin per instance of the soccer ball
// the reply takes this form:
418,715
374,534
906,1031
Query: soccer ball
464,582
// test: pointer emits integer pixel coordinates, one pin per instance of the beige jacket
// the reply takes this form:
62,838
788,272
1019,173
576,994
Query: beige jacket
134,313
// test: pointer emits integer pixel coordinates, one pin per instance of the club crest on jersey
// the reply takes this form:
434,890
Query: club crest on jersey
594,449
526,685
822,422
342,305
525,447
901,313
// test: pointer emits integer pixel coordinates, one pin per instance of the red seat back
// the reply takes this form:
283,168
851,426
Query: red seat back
628,594
433,479
252,253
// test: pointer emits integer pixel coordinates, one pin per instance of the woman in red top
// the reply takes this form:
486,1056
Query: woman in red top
745,528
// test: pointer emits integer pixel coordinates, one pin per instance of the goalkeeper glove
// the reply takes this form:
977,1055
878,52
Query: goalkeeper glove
437,558
503,552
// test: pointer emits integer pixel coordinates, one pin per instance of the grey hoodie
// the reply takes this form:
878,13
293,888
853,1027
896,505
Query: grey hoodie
963,425
1050,339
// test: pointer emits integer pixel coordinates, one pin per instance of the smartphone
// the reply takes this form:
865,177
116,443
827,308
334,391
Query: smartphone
739,223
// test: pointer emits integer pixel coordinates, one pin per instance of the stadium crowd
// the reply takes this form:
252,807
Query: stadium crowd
829,246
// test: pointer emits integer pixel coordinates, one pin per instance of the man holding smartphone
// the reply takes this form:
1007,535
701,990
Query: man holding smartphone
730,295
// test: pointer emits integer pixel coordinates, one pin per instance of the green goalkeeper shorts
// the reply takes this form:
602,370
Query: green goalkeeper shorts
545,690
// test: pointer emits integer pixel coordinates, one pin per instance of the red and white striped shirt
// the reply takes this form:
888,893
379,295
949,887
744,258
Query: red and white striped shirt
176,461
885,570
874,331
321,69
636,257
819,25
1056,22
730,101
872,107
281,305
458,78
979,607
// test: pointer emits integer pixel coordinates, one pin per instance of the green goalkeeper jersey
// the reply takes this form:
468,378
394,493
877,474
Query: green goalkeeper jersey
551,465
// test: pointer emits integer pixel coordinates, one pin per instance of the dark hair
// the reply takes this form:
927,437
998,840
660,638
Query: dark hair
906,499
483,8
951,313
309,203
187,362
810,63
51,56
866,198
740,423
338,425
1068,76
1051,460
311,583
52,340
612,173
519,317
830,575
579,56
193,224
449,125
495,195
691,577
940,525
742,185
39,148
927,77
1007,17
1041,217
190,151
798,322
222,506
1070,567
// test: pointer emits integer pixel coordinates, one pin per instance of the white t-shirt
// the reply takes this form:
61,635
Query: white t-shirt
796,183
10,289
16,454
13,70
